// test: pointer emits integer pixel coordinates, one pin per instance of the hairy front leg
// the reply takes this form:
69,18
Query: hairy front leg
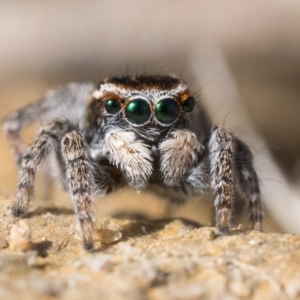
32,157
15,122
132,156
221,154
55,102
249,184
80,181
177,154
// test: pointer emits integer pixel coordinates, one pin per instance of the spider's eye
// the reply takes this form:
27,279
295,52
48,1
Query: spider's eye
112,106
166,111
188,104
137,111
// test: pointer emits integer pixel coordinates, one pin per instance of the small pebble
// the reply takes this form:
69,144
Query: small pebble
20,239
107,236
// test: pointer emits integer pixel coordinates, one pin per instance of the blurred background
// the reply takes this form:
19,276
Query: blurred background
242,57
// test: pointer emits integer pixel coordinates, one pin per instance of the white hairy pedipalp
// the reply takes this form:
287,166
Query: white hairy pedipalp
178,153
132,156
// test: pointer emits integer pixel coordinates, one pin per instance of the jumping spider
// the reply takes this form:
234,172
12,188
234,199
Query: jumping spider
145,131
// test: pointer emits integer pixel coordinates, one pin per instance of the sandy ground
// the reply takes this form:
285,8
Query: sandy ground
137,258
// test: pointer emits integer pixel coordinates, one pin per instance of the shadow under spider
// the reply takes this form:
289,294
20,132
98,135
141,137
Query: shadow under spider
141,225
54,210
42,248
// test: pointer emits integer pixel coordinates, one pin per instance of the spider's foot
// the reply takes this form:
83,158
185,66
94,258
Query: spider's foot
18,211
257,226
224,231
89,247
87,236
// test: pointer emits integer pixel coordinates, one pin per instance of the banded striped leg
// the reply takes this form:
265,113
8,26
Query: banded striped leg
14,123
80,182
249,184
55,103
32,157
221,154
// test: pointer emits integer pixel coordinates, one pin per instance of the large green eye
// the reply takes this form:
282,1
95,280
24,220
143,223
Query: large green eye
166,111
112,106
188,104
137,111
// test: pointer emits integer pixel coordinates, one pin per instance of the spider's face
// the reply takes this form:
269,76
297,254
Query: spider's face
145,104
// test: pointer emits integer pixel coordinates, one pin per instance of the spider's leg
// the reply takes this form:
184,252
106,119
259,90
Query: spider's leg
15,122
32,157
249,183
55,103
80,182
221,153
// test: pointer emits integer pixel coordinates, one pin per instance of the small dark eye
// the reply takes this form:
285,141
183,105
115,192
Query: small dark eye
112,106
137,111
166,111
188,104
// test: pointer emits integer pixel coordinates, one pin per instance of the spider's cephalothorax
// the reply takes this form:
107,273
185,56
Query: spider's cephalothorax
145,131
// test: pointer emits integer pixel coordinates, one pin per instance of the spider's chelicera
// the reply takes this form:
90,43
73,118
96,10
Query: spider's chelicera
145,131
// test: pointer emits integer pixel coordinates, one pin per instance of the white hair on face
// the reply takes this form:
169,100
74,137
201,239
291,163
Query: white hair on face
154,94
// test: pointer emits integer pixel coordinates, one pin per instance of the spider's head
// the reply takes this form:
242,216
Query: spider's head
149,105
